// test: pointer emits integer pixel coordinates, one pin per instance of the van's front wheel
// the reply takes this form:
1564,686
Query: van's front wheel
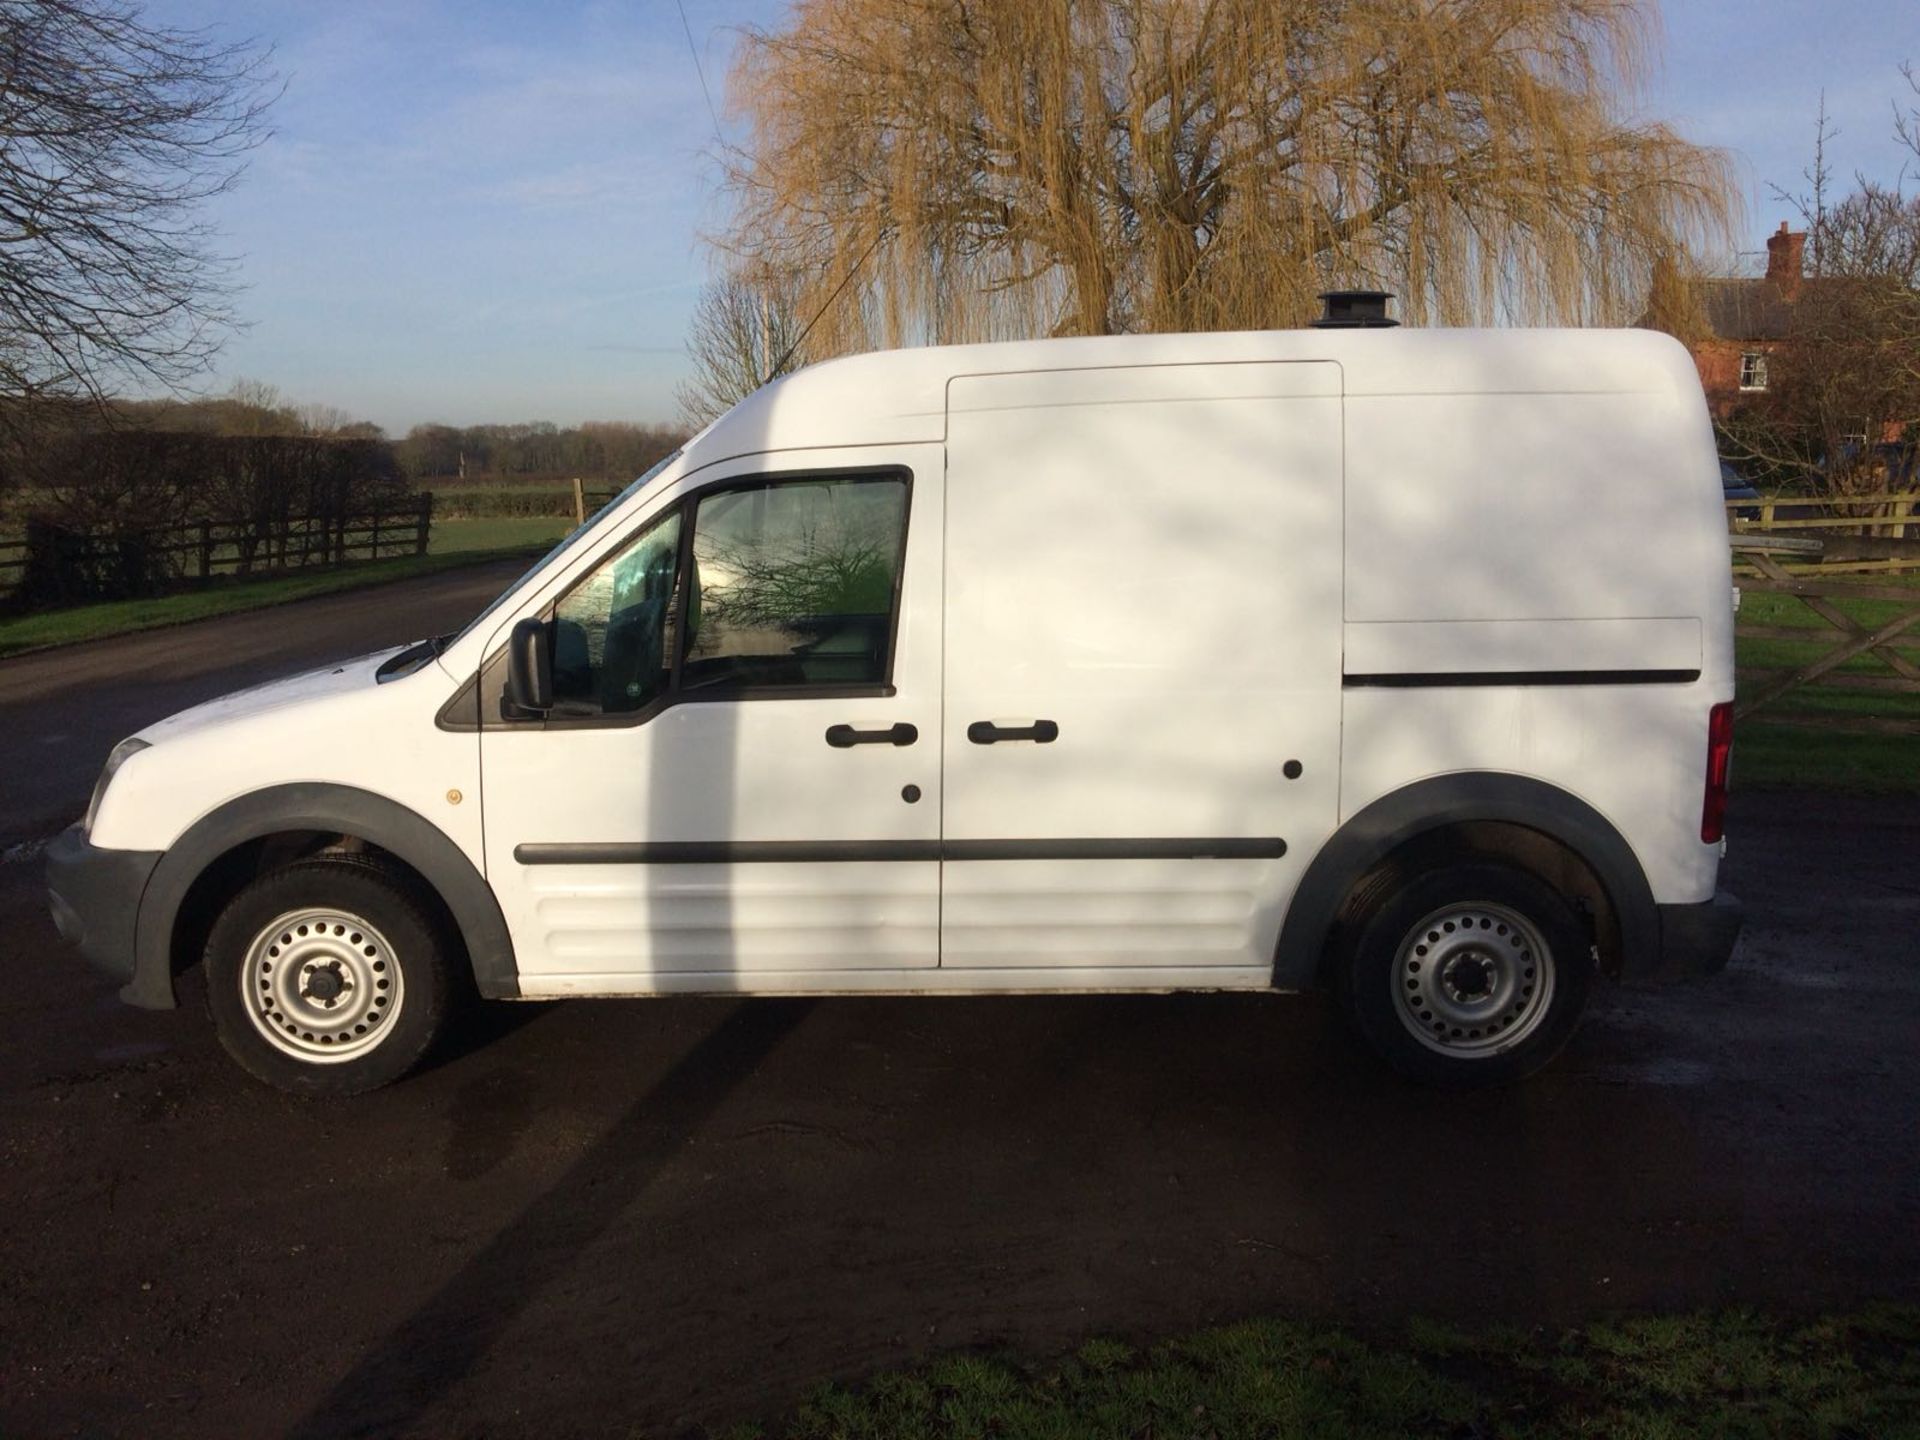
326,978
1471,974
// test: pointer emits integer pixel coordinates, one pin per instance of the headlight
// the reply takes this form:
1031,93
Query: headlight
121,754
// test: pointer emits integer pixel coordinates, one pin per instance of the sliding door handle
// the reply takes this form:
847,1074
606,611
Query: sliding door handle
842,737
985,732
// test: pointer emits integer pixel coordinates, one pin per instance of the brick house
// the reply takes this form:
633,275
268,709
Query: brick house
1747,321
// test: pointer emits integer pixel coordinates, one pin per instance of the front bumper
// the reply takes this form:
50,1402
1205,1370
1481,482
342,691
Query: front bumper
1695,940
95,898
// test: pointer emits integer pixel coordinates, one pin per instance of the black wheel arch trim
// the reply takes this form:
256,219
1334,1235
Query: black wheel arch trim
1426,805
339,809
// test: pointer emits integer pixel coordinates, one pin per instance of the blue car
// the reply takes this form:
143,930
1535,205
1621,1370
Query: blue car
1734,486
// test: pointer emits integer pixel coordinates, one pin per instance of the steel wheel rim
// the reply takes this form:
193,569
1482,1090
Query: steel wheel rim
1473,979
322,985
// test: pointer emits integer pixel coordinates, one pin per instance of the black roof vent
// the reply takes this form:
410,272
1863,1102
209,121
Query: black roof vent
1355,310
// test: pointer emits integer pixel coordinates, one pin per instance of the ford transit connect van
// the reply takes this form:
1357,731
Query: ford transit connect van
1392,662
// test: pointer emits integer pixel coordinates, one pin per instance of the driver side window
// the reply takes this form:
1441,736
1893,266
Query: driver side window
613,633
794,584
792,588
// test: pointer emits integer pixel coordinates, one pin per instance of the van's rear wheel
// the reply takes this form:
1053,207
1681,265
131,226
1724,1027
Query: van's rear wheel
1471,974
327,978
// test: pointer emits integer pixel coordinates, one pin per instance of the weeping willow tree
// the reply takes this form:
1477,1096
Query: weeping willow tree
992,168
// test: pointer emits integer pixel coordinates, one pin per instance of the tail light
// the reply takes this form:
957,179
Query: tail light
1713,814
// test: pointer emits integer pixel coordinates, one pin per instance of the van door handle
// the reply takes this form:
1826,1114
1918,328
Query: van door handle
985,732
843,736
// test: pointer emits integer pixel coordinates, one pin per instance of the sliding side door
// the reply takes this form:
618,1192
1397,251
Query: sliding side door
1142,702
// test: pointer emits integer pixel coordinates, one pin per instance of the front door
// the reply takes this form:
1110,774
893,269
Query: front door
739,785
1142,728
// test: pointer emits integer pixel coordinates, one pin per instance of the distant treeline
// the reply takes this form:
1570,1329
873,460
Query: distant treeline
136,462
595,450
248,408
249,456
613,450
114,480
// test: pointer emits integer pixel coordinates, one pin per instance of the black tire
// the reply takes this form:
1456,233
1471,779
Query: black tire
385,1024
1488,1009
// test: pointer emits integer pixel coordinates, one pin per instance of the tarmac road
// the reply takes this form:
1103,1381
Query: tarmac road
603,1218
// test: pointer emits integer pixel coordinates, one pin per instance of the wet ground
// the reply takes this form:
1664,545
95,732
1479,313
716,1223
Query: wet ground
599,1218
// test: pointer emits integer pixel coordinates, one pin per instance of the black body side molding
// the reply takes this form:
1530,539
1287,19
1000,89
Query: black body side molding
1455,679
764,852
333,809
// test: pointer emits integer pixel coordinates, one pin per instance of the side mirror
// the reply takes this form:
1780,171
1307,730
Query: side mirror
530,667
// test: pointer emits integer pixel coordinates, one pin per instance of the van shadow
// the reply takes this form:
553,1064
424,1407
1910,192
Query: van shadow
420,1360
1059,1167
479,1024
881,1179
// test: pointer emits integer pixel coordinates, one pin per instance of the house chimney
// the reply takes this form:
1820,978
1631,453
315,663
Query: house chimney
1785,249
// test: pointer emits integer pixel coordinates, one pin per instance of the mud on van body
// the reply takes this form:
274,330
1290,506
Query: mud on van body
1394,662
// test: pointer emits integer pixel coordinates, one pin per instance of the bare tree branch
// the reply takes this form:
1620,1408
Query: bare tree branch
744,326
114,133
1842,401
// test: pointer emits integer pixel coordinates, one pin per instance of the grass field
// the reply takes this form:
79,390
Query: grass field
1724,1376
1774,754
451,537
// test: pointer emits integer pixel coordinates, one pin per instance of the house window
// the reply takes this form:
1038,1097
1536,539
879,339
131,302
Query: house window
1753,370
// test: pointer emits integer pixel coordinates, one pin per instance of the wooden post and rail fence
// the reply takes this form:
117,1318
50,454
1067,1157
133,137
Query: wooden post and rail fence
51,565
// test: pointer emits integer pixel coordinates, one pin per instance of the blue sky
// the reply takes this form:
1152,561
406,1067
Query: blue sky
481,210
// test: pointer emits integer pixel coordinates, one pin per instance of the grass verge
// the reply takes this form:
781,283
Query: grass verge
122,617
1802,757
1773,754
1727,1376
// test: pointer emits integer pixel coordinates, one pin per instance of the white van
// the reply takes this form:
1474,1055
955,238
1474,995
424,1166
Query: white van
1397,662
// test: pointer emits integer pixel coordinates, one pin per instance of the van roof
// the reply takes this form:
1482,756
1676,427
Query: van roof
893,397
